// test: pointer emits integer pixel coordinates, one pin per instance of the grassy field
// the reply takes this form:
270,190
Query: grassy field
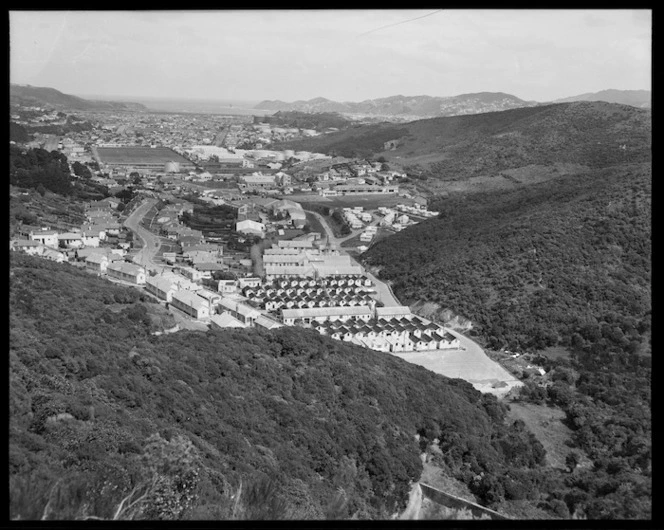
546,424
556,352
130,155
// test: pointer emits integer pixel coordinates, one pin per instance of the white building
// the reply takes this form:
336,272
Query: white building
243,312
192,304
127,272
48,238
96,263
291,317
225,320
250,227
163,288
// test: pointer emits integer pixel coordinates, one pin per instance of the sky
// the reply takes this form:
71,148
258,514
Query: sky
343,55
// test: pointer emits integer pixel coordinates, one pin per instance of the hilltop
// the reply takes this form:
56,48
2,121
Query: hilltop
304,426
635,98
49,97
414,106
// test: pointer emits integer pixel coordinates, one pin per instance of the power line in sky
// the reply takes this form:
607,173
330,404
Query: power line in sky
398,23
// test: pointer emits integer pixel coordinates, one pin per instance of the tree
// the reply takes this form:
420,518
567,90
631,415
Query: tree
572,461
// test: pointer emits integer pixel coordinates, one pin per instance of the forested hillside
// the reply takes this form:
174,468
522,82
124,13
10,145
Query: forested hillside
305,120
563,263
593,134
533,266
43,170
108,421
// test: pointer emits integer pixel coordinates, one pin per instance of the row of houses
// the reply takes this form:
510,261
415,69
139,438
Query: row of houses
392,335
35,248
389,329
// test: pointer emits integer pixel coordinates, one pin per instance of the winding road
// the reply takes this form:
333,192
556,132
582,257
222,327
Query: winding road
468,362
151,242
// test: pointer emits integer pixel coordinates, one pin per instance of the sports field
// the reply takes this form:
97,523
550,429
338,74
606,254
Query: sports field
139,155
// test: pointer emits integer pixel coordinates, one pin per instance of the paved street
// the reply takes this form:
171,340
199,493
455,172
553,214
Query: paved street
150,240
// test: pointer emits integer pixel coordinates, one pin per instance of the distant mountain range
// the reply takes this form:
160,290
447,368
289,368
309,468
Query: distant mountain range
45,96
635,98
432,107
416,106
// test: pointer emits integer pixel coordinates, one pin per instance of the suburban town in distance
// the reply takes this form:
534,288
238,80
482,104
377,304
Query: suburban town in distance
271,265
283,271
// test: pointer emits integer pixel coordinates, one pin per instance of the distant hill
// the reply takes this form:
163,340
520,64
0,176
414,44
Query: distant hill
635,98
305,120
416,106
450,150
50,97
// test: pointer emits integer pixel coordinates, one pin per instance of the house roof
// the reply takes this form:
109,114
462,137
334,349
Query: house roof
267,323
127,268
325,312
389,311
208,266
226,320
190,298
96,258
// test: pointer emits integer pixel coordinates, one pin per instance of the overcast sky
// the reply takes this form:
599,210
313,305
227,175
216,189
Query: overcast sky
344,55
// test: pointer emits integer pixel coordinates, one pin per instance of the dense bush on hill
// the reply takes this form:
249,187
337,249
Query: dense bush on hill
61,129
305,120
43,170
562,263
356,142
81,170
594,134
33,167
103,411
18,133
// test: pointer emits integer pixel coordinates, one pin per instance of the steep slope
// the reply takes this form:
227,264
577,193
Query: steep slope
234,424
45,96
532,265
426,106
563,264
635,98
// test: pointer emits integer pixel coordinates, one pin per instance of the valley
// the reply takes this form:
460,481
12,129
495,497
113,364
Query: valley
538,252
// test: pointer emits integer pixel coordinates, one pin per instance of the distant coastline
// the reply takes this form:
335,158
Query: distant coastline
203,106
